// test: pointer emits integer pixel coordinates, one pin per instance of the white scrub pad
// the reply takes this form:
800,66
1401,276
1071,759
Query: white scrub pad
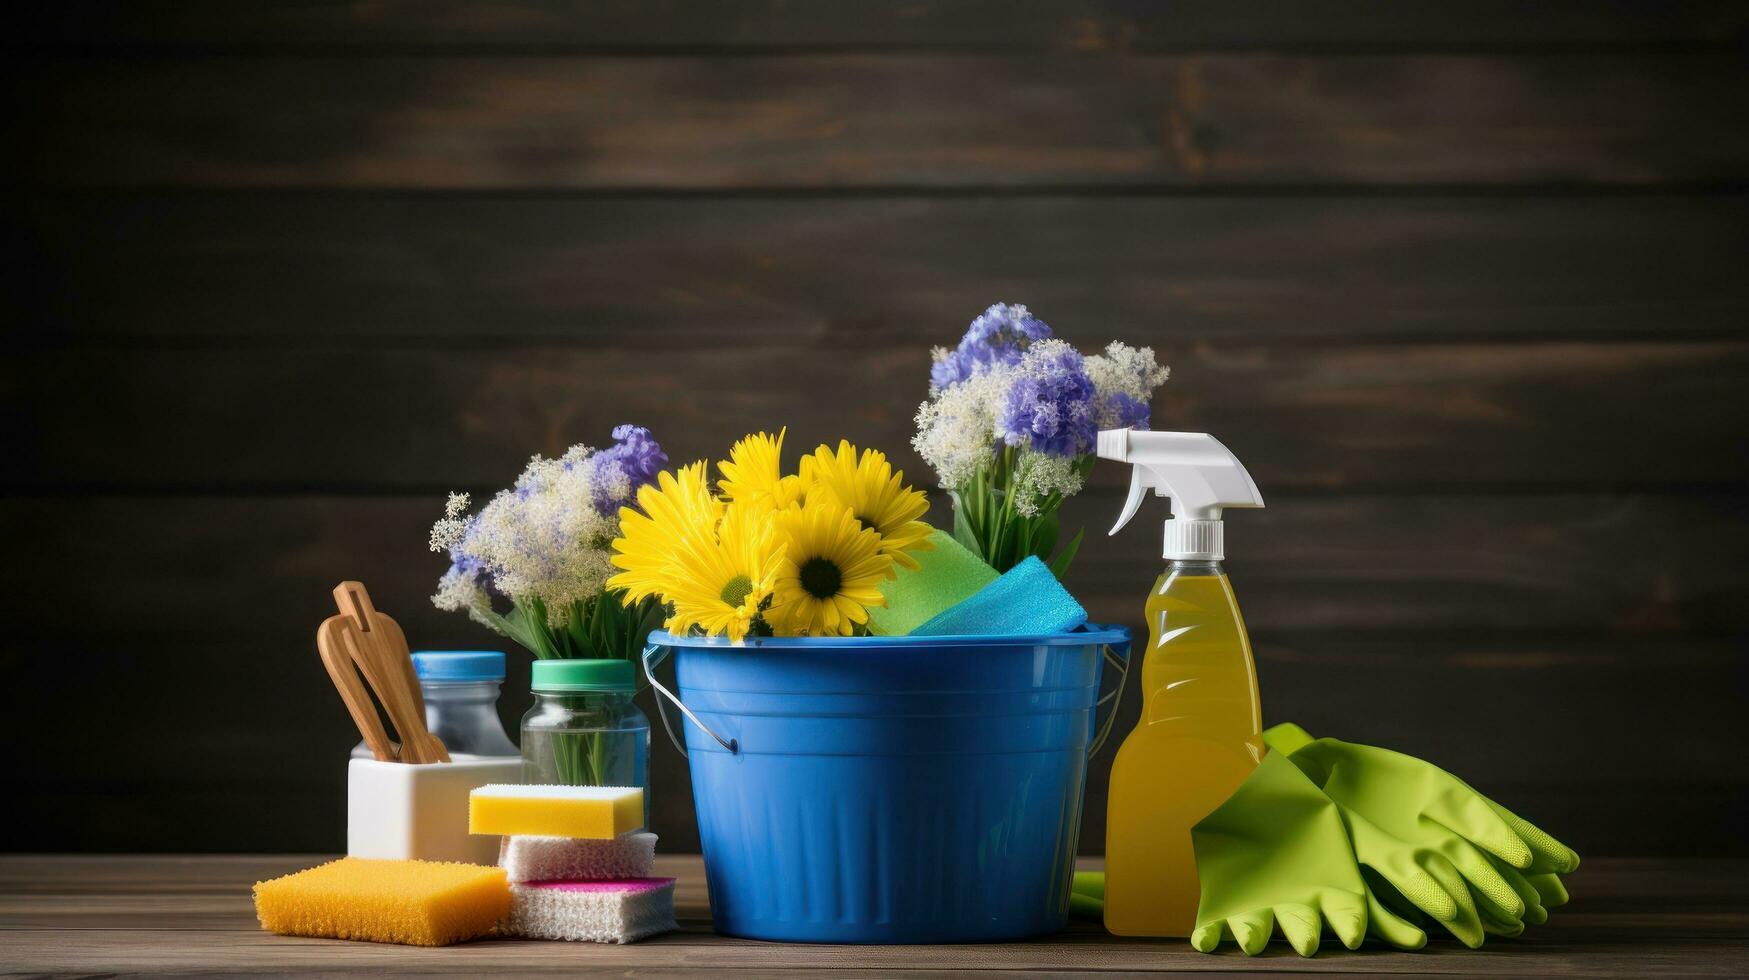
621,911
577,858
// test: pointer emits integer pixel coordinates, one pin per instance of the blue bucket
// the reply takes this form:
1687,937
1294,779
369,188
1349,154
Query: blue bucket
890,789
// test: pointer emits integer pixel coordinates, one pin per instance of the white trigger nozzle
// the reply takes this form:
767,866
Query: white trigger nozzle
1139,484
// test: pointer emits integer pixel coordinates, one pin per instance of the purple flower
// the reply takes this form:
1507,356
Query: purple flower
1130,413
464,562
999,336
1050,405
952,368
638,456
1006,325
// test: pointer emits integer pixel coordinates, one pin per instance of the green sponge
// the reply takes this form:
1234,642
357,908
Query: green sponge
949,575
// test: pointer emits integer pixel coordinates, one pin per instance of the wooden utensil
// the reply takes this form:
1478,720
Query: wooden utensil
398,640
380,650
331,642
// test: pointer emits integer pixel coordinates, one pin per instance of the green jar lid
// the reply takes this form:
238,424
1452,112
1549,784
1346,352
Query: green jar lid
585,675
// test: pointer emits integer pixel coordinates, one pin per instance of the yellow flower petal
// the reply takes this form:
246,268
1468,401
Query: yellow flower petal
671,513
876,495
714,564
831,570
753,474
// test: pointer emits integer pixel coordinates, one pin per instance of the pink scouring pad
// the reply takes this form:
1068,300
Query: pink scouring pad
621,910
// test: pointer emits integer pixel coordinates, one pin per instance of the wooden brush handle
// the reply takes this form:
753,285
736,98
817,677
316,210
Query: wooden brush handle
331,644
381,652
390,687
430,745
397,642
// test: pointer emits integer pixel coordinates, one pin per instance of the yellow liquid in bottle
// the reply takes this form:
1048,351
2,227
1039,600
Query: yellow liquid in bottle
1199,737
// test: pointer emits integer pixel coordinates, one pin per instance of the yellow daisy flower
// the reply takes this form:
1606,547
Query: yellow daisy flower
831,571
753,473
718,583
876,495
671,515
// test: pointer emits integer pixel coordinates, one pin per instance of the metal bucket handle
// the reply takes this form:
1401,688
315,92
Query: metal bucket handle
1117,654
1120,658
733,745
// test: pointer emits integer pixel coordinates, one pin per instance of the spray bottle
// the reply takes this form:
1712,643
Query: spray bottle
1200,731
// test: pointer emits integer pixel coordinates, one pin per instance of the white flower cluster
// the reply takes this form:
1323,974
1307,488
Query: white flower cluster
460,591
546,538
956,428
1038,476
448,531
1123,370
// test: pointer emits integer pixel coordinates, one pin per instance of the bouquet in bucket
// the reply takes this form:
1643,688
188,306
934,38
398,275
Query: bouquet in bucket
1010,429
544,546
769,553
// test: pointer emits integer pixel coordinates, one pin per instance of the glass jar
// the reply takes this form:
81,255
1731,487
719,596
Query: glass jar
584,729
460,688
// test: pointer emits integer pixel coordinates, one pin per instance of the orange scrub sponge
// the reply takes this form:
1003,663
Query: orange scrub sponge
418,903
596,812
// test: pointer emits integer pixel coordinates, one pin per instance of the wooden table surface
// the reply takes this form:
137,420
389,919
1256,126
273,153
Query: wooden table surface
94,914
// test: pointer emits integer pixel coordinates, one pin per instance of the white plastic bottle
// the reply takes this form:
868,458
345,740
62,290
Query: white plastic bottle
461,688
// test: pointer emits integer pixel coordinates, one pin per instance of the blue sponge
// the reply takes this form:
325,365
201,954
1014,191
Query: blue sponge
1027,599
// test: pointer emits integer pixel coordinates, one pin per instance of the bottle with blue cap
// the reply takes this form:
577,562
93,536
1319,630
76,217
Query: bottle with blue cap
461,689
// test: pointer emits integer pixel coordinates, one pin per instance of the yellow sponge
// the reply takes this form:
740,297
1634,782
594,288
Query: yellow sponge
418,903
597,812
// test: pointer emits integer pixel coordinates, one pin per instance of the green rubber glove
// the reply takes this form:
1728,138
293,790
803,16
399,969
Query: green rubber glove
1287,738
1087,896
1275,855
1412,879
1457,856
1490,922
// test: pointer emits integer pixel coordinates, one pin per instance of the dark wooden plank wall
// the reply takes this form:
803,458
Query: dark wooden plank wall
1464,285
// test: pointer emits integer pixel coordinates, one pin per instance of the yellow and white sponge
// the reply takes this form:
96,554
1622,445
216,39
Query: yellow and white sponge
597,812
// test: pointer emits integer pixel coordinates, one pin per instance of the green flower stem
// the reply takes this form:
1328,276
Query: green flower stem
599,762
601,627
572,758
987,522
581,758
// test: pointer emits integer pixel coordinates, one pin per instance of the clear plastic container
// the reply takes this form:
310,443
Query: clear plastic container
584,729
461,702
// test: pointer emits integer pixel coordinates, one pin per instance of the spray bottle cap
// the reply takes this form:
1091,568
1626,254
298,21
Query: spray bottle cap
1199,474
